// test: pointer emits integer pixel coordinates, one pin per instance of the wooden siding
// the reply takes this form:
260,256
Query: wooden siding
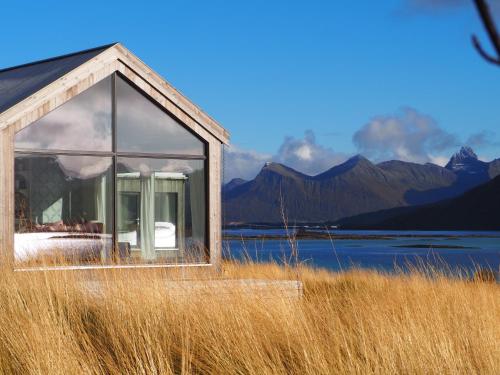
7,194
214,201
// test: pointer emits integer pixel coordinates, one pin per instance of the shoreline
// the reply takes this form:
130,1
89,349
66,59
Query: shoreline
313,235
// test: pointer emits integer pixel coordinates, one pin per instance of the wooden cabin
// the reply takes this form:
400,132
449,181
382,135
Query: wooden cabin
104,164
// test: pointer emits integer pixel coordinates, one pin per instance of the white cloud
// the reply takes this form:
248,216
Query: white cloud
302,154
407,135
439,160
239,163
306,155
84,167
483,139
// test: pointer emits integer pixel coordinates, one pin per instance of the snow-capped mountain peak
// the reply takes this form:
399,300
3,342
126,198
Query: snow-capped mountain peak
465,160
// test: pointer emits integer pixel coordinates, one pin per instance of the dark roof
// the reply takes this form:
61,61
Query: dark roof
19,82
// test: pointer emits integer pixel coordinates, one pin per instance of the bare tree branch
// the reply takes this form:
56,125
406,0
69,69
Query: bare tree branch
485,14
482,52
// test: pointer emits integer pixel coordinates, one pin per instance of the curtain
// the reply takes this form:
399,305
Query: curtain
147,220
101,215
100,202
166,207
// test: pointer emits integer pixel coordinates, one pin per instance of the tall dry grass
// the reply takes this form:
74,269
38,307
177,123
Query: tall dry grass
353,322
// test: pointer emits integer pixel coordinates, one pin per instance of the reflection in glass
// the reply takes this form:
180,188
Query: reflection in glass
62,209
143,127
64,197
161,209
83,123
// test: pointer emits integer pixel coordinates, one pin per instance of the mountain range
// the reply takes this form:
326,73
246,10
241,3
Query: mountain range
356,188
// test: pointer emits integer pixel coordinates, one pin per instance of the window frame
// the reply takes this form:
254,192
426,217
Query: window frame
115,154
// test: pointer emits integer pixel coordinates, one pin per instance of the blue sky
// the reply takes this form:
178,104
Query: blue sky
304,83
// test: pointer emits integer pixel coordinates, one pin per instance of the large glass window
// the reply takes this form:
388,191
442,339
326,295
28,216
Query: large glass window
83,123
62,210
161,209
144,127
94,187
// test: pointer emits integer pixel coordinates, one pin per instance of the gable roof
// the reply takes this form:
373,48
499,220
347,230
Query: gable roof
30,86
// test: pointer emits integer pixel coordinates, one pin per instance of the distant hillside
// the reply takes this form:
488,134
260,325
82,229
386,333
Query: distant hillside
235,182
352,188
477,209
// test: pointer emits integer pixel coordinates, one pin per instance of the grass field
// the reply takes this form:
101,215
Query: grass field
354,322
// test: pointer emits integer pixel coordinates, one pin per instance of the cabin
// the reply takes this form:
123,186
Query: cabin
104,164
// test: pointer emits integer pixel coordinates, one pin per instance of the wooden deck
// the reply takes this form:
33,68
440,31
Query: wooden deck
260,288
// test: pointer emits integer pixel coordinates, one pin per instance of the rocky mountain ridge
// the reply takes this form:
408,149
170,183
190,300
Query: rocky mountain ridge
354,187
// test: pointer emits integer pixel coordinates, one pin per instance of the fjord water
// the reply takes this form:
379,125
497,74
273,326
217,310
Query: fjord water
447,250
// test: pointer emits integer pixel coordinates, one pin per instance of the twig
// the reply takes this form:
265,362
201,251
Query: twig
291,238
489,24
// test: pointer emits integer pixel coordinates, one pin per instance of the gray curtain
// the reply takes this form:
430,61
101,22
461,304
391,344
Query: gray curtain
147,224
100,202
166,207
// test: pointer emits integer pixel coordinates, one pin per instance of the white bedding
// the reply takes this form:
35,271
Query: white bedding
30,245
165,235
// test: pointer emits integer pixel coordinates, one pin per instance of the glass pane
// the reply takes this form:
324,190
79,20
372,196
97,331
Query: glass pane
83,123
63,209
161,210
144,127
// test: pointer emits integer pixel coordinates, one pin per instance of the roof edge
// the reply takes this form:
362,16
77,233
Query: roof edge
118,52
103,47
130,59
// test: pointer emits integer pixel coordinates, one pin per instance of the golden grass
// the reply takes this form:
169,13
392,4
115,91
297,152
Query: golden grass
354,322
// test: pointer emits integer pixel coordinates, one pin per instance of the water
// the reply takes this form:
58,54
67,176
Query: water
472,249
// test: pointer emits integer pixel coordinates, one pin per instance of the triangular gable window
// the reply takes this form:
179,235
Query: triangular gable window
142,127
83,123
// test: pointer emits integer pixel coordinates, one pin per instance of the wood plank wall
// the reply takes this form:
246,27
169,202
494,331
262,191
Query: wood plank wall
214,203
7,194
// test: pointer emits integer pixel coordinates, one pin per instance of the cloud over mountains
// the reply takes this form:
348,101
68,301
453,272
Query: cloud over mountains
406,135
303,154
307,155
